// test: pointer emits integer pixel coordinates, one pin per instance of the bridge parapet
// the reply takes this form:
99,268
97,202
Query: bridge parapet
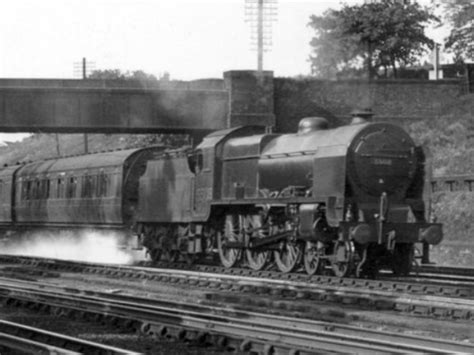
112,106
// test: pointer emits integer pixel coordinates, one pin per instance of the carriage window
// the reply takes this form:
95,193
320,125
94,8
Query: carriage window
117,185
93,185
47,188
43,189
60,188
86,186
98,186
71,187
102,182
34,189
25,189
40,187
29,190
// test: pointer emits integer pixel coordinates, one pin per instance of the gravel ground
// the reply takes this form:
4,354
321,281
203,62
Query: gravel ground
380,320
101,334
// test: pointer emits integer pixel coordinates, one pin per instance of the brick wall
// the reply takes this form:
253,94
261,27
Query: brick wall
390,100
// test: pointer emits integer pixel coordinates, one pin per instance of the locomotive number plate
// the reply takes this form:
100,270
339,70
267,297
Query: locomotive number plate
382,161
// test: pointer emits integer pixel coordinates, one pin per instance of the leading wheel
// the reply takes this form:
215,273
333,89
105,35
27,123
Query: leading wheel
230,232
164,255
170,255
191,258
402,259
289,256
312,258
254,230
342,258
155,254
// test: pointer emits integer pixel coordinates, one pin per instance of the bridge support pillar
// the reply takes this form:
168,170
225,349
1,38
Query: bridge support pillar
250,98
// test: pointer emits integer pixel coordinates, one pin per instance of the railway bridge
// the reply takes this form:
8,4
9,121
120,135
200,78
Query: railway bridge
242,97
118,106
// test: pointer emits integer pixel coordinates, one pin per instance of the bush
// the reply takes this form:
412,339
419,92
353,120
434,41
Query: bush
449,139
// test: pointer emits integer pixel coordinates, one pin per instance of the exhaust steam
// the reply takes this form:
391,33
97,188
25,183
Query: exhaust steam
88,246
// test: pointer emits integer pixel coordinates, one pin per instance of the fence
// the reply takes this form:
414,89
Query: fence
452,183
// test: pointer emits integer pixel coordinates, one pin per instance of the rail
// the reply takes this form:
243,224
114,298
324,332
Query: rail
383,294
32,340
452,183
447,270
26,346
250,330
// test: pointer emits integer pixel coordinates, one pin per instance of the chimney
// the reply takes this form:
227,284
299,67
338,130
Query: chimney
362,115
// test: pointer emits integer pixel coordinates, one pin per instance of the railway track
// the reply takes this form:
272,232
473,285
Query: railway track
439,301
30,340
421,282
435,275
231,329
446,270
417,284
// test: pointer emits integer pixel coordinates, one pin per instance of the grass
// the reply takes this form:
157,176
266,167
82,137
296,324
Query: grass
456,211
447,137
450,138
447,254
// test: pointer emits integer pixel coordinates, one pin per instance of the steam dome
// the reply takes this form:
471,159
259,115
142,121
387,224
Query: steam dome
310,124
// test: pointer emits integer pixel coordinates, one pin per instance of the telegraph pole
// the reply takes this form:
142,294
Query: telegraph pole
436,60
261,14
84,77
260,35
82,68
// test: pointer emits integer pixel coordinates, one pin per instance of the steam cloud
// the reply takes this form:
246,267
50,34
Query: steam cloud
88,246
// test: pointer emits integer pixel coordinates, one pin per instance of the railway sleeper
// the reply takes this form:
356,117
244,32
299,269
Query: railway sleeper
443,312
185,334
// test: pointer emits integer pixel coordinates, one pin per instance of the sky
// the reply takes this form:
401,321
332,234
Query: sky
188,39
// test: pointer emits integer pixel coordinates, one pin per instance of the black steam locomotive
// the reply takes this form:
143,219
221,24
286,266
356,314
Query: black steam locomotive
349,198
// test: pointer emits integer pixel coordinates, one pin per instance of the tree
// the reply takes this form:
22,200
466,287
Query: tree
117,74
460,15
384,35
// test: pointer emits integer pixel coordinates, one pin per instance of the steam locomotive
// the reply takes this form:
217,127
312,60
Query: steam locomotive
348,199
